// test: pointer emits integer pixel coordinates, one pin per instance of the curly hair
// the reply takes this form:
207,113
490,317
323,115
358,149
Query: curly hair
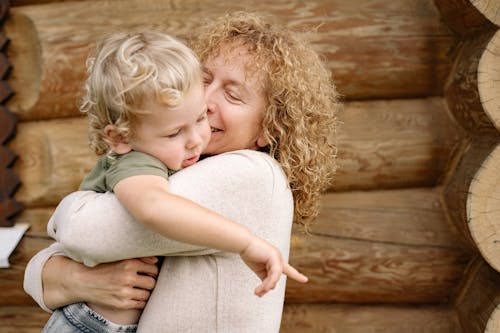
300,120
129,68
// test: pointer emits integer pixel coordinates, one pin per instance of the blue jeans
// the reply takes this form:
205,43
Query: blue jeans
78,318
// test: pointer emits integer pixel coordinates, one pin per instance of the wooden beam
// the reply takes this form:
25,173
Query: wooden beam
382,144
478,302
483,213
25,319
8,179
381,246
366,247
488,79
344,318
490,9
375,49
455,190
463,16
394,144
304,318
462,87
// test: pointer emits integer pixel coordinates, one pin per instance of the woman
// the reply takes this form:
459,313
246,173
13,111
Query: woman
266,90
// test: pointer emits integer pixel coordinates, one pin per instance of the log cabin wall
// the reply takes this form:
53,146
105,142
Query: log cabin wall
391,250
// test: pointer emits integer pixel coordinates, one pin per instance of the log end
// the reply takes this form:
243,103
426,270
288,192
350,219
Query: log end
24,53
482,208
489,79
490,9
493,324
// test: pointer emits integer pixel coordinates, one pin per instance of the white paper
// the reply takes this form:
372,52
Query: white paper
9,237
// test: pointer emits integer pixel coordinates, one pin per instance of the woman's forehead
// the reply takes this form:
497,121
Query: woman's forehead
237,61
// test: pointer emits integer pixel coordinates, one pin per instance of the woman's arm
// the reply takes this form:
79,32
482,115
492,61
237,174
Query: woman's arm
219,183
125,284
95,228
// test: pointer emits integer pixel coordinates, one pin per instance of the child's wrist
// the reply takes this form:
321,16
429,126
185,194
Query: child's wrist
250,239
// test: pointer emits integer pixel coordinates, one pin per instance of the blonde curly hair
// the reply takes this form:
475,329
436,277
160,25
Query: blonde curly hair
300,120
126,70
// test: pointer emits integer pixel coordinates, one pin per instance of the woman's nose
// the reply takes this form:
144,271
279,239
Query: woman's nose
209,98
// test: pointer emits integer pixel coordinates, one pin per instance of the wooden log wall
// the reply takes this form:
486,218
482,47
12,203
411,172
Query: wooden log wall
385,255
9,182
471,190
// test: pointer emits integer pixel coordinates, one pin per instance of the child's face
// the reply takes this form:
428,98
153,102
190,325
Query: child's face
175,136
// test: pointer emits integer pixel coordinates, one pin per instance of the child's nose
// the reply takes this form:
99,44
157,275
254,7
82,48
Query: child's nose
195,140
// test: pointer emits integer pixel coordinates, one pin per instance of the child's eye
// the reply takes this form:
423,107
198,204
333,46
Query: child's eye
173,135
202,117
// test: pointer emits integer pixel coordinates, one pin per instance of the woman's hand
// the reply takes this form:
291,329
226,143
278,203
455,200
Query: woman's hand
268,263
125,284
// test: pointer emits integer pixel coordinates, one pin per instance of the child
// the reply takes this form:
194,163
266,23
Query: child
147,114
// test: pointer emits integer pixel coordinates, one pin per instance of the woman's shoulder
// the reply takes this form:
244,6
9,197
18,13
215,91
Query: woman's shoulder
250,158
240,169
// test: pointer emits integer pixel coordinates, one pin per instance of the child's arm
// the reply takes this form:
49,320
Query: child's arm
147,198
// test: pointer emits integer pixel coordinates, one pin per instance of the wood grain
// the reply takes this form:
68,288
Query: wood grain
374,48
382,144
303,318
342,318
478,303
462,90
366,247
483,215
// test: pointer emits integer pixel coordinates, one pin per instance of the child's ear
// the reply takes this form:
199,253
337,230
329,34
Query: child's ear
116,140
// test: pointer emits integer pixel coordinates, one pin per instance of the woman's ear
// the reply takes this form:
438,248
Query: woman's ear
116,140
262,140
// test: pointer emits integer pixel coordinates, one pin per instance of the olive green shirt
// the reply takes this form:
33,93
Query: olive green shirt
112,168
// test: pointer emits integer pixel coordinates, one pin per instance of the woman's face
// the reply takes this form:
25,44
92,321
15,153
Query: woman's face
235,101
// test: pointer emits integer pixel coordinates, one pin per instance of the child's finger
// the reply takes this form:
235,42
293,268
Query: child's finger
294,274
269,282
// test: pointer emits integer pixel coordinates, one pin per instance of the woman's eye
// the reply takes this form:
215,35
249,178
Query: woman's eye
207,79
232,97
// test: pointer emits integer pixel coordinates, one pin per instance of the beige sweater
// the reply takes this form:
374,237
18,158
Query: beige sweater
195,292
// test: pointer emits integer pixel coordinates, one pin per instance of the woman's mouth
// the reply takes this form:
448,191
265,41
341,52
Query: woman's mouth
213,129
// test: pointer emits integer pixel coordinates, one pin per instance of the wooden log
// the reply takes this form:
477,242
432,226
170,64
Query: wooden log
366,247
9,182
53,159
376,247
483,215
375,48
464,17
478,302
488,79
344,318
22,319
11,279
394,144
15,3
35,239
490,9
304,318
383,144
456,188
462,87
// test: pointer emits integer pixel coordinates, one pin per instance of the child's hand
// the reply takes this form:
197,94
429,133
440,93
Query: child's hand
267,262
